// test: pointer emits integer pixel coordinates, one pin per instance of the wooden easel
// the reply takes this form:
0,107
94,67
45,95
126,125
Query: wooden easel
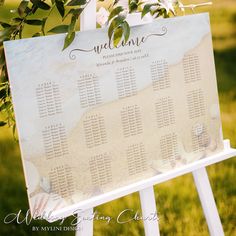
145,187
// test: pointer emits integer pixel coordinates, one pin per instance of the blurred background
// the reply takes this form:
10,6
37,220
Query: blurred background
178,205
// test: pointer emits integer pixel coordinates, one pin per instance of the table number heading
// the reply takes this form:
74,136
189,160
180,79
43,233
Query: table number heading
109,45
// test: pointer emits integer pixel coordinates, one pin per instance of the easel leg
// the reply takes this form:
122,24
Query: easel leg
208,203
85,227
148,205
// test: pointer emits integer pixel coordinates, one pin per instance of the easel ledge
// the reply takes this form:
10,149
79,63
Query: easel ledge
144,184
147,196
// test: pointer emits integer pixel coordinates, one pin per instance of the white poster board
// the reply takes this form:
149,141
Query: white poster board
94,118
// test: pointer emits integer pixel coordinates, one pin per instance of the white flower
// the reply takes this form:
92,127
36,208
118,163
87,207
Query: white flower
124,4
102,16
168,5
149,1
123,13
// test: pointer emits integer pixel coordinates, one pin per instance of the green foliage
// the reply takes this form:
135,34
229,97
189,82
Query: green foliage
60,7
22,7
59,29
76,2
118,27
69,39
133,5
40,4
146,9
34,22
115,12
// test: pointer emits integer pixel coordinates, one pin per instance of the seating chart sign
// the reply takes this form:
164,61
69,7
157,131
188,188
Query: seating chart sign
94,118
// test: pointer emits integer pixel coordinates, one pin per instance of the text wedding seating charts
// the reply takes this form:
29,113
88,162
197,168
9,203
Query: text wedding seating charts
94,118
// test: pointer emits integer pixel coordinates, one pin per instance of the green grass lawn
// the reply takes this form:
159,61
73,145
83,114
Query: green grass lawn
177,201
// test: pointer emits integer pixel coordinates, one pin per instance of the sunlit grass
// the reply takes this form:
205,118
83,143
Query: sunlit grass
177,201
